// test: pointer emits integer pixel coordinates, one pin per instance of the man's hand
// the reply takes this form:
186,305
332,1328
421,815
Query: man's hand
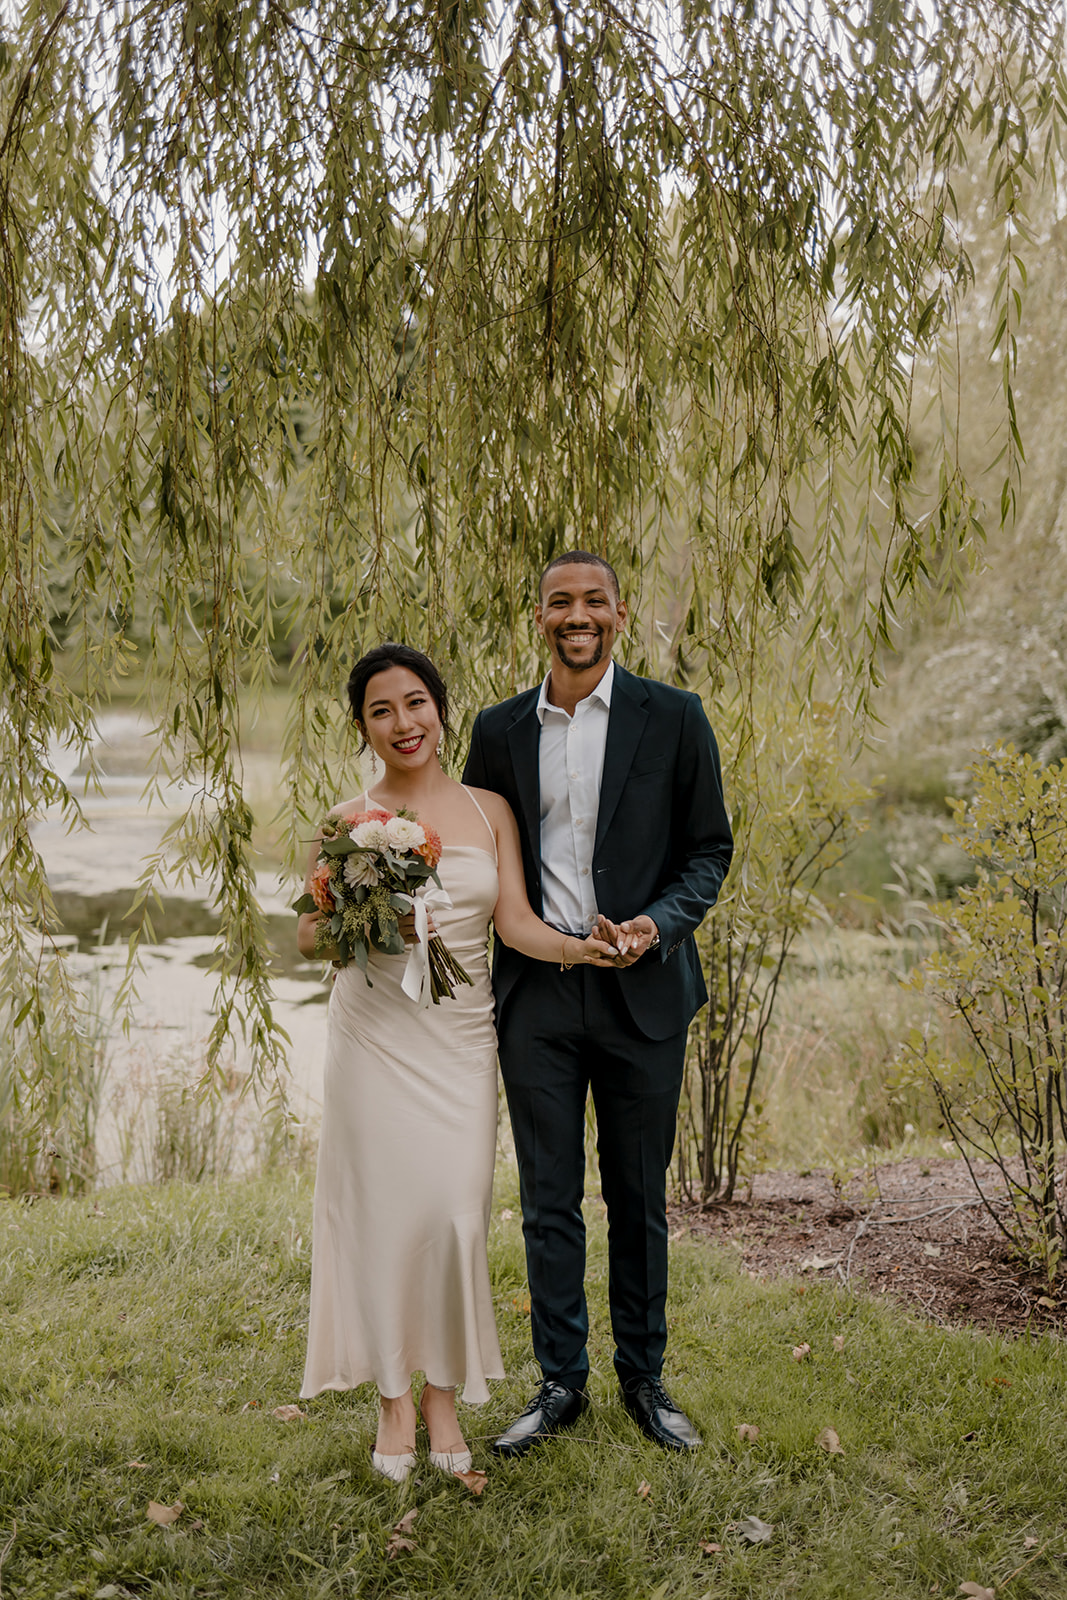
630,939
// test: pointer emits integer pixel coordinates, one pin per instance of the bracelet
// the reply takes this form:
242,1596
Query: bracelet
564,964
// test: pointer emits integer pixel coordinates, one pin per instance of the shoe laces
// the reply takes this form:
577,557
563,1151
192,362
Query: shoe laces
536,1403
660,1398
547,1385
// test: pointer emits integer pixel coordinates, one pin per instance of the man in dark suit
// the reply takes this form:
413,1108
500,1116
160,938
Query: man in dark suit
616,786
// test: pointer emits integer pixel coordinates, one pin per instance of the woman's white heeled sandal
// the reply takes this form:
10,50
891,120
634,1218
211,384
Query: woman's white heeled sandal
395,1468
449,1461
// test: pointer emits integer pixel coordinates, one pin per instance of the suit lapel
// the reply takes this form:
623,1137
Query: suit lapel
524,739
626,724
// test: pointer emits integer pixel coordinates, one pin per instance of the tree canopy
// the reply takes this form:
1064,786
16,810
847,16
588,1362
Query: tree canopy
327,322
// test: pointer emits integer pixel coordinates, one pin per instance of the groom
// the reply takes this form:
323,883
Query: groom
616,785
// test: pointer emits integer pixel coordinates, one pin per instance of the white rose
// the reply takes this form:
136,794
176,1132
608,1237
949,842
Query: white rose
403,833
359,872
370,835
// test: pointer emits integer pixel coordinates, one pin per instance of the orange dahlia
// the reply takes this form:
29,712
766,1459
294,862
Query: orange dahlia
321,892
431,850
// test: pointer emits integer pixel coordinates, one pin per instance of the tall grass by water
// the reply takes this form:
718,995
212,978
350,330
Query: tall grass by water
827,1095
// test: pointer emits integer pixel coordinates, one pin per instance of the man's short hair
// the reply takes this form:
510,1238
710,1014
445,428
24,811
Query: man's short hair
581,558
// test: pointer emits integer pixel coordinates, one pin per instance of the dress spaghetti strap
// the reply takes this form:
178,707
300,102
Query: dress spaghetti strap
481,813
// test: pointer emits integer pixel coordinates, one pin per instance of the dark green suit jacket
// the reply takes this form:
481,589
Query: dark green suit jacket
663,841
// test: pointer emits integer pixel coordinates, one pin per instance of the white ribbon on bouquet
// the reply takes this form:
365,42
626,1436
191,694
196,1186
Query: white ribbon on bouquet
416,980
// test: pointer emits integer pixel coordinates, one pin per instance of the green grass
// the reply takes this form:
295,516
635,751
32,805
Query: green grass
167,1328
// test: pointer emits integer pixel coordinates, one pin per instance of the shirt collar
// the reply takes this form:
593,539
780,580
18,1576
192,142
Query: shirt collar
602,692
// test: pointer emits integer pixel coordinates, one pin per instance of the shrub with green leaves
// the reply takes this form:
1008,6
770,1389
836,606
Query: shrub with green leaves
797,823
1003,971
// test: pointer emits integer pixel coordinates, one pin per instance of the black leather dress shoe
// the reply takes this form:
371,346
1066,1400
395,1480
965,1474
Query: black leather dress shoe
553,1407
656,1414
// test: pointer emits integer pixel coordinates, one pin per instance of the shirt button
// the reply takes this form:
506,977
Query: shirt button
574,774
578,821
585,872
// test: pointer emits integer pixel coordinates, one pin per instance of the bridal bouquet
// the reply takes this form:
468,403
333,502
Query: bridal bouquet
369,868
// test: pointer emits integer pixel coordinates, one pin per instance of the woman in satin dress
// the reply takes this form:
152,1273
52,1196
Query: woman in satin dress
399,1275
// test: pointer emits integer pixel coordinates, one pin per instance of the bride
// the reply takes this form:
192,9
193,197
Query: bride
399,1273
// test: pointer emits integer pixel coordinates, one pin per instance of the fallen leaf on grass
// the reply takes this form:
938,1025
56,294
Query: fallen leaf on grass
830,1442
1046,1300
288,1413
162,1515
709,1547
399,1544
249,1405
195,1527
747,1430
839,1341
142,1466
977,1591
644,1490
932,1250
474,1480
752,1529
816,1263
800,1351
1029,1542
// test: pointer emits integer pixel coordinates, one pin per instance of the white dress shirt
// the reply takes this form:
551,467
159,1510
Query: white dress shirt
571,760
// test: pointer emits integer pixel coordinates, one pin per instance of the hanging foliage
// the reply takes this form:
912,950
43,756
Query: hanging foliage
331,321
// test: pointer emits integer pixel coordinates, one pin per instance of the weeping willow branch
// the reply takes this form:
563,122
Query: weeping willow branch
327,322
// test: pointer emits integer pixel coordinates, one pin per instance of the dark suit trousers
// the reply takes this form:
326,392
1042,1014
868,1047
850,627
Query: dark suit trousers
563,1034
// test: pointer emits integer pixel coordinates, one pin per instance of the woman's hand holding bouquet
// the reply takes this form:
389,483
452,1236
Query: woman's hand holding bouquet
370,867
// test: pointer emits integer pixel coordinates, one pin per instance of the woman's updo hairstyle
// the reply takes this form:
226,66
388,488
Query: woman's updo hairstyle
380,659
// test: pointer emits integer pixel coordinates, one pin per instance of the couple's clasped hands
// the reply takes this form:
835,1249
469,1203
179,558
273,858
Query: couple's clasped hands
628,941
610,944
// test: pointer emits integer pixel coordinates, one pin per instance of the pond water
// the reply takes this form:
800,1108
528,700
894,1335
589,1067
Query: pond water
162,1044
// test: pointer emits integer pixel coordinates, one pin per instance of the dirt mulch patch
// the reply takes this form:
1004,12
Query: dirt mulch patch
913,1229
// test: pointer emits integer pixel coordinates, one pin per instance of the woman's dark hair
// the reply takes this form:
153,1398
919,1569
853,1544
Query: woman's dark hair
380,659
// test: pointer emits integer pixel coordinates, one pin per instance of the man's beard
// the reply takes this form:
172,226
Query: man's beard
581,666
